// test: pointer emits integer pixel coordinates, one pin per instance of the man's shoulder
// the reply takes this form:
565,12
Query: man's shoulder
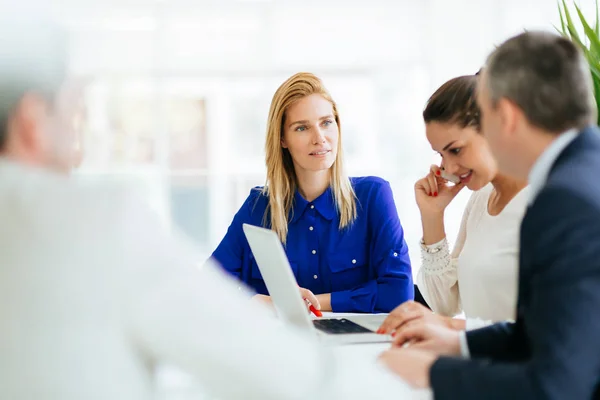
48,201
89,199
575,181
578,167
568,206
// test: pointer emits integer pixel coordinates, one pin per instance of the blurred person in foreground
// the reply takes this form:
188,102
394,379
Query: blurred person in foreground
94,292
538,111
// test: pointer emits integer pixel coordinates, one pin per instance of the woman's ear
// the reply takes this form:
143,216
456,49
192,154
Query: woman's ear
283,144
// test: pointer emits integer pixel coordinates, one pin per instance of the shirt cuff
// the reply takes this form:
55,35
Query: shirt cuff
464,346
340,301
435,247
476,323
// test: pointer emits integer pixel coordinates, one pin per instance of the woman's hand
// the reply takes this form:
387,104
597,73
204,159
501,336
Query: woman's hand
433,193
413,311
304,293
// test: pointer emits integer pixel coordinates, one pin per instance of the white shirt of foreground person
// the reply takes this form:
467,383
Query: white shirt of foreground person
94,293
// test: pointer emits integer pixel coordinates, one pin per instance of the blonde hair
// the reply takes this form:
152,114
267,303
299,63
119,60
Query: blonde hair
281,177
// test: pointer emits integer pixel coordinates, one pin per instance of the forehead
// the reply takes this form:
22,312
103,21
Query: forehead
310,107
440,135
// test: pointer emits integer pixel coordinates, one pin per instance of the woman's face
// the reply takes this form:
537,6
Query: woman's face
464,152
310,133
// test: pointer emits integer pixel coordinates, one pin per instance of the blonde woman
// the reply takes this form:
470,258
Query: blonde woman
342,235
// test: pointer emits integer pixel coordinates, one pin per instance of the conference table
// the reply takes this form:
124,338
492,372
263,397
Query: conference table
174,384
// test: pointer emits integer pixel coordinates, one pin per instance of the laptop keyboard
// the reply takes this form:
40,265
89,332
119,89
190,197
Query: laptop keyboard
339,326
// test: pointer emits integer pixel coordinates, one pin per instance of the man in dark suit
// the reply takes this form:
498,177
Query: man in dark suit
537,113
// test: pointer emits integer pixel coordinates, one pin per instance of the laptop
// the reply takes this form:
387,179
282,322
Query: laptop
291,308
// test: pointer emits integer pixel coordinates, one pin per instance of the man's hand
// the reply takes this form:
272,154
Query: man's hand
420,335
411,365
411,311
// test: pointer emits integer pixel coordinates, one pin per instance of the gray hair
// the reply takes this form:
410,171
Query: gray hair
546,76
33,58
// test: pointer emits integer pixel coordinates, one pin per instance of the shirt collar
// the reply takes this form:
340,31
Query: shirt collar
324,204
542,166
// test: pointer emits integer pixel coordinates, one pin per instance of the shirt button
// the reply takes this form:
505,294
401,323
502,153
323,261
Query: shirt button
353,261
314,252
312,206
311,228
316,277
395,254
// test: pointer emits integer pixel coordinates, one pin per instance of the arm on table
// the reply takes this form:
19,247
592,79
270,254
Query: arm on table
559,351
438,276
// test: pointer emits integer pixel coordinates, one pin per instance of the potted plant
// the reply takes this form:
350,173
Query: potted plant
587,38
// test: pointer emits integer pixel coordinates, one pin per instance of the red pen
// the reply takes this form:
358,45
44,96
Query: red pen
317,313
312,308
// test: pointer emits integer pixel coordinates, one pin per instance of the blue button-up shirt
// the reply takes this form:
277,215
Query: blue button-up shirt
365,266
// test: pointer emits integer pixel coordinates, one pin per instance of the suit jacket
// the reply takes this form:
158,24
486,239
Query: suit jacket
95,292
552,351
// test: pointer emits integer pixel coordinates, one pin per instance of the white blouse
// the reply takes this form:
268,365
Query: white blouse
480,276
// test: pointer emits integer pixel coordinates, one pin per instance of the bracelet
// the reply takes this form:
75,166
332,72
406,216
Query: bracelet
434,248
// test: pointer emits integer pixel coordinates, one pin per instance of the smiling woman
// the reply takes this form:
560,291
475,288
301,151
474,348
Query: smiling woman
342,235
479,276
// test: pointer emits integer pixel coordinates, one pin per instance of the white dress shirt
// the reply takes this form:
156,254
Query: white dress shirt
95,292
479,276
541,168
537,179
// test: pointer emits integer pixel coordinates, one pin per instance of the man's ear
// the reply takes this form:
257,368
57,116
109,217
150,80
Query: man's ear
508,113
26,123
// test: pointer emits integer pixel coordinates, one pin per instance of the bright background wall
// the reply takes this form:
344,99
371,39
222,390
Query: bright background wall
177,91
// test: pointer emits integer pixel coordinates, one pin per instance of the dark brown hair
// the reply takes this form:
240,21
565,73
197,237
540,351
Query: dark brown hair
454,103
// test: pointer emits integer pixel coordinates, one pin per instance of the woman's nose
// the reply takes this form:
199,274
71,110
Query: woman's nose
450,167
319,136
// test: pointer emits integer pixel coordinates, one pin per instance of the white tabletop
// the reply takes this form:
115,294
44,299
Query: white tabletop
174,384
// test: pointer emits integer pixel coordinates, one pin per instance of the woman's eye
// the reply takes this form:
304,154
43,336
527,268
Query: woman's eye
327,122
301,128
454,151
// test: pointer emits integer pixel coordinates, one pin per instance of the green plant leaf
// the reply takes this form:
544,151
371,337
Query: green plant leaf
591,35
595,70
597,96
597,29
562,22
596,83
570,24
575,38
